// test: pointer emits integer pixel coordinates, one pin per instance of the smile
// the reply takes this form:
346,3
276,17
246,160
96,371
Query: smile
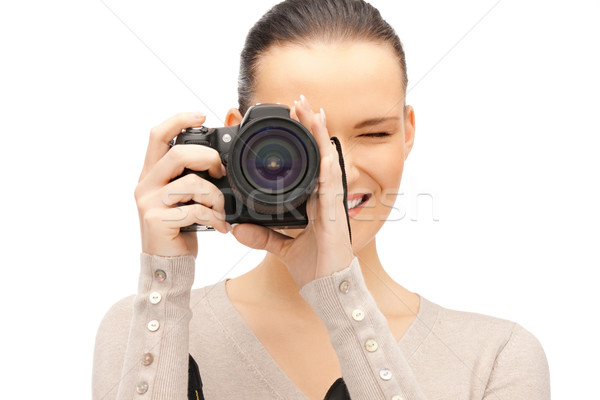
357,200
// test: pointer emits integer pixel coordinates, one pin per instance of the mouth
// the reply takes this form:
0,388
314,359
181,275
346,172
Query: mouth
357,200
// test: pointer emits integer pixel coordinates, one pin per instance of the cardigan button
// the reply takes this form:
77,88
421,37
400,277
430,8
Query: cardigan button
147,359
371,345
385,374
155,298
345,287
160,275
397,397
153,325
358,315
141,387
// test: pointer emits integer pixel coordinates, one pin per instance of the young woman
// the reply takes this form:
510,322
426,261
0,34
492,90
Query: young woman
320,306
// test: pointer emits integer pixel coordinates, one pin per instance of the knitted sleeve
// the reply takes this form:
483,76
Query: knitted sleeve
155,360
371,361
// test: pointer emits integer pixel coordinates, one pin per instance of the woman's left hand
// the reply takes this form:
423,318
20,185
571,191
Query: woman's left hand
323,247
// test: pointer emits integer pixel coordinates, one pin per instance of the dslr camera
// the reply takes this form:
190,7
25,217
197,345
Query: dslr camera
272,164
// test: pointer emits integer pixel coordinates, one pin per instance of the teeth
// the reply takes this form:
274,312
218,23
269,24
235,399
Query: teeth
354,203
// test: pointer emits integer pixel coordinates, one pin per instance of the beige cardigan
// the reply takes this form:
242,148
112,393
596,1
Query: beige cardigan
143,343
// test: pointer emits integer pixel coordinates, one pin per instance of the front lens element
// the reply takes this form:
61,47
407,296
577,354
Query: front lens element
274,160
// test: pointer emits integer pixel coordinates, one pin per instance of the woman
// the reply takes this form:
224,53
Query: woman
320,306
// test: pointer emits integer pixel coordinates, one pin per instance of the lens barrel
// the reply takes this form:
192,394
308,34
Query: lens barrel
274,164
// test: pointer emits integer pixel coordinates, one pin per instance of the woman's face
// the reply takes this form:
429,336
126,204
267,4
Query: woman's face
359,86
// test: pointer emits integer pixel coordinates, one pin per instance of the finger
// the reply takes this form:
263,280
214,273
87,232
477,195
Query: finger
331,192
321,134
192,187
179,217
191,156
262,238
293,114
304,112
162,134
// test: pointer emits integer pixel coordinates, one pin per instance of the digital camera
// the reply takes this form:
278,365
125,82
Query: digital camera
272,164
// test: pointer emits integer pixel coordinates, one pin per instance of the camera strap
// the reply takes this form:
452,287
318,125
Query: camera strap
338,147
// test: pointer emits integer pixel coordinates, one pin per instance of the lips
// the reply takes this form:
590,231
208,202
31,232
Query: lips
357,200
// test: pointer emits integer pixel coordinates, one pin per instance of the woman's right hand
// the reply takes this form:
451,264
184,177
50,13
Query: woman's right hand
157,197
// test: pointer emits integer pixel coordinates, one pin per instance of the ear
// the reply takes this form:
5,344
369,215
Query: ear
409,130
234,117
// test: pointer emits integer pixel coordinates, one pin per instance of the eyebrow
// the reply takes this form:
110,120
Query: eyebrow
374,121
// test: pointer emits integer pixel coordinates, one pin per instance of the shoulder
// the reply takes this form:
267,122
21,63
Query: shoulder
485,327
486,330
502,350
110,346
113,331
117,317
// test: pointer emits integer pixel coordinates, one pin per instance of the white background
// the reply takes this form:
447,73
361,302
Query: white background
506,144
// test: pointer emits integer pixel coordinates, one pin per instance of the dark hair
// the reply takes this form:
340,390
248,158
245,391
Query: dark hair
299,21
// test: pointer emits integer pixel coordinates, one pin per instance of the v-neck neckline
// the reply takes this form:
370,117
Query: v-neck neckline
262,361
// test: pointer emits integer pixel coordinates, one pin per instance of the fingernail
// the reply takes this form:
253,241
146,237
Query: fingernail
223,170
303,99
199,115
228,226
323,116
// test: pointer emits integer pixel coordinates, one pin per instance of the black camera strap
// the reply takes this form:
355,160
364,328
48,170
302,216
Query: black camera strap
338,146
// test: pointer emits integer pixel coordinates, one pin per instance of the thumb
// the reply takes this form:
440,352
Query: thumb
261,238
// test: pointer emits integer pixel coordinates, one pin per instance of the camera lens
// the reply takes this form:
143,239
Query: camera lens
274,160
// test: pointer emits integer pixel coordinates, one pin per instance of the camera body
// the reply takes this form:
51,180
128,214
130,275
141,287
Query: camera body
272,164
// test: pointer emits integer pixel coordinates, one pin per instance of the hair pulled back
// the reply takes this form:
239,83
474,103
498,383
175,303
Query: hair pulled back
302,21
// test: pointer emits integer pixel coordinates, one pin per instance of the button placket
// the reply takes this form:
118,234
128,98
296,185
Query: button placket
147,359
155,298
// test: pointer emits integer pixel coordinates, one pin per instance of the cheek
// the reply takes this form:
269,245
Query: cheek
384,163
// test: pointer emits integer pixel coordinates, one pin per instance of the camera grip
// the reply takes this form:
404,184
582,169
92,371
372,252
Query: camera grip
196,227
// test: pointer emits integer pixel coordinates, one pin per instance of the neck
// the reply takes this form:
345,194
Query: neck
274,284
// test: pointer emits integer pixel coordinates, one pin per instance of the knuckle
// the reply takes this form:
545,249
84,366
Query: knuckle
177,153
192,179
216,157
142,204
154,132
150,217
201,214
138,193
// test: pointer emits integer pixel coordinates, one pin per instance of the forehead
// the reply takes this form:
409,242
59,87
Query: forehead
353,75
